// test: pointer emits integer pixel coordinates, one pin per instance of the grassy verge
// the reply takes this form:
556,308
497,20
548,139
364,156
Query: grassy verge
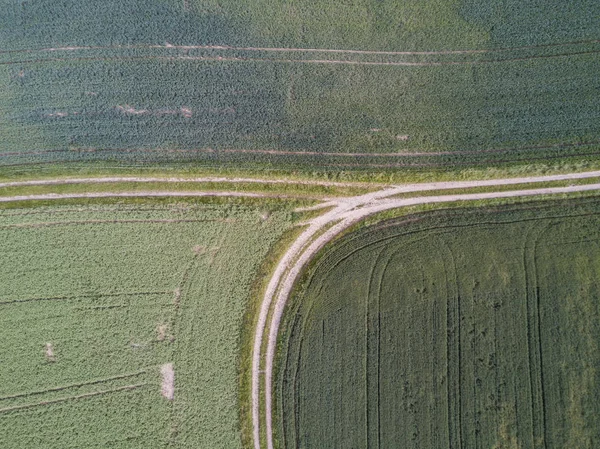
268,203
299,173
306,191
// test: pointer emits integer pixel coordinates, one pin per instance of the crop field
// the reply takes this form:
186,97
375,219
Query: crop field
410,84
121,323
471,328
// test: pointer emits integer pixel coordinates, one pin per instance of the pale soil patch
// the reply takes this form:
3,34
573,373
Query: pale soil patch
50,352
162,332
129,110
199,249
177,296
168,381
213,253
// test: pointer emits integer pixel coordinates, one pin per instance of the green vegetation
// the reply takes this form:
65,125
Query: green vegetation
454,328
299,191
126,91
95,299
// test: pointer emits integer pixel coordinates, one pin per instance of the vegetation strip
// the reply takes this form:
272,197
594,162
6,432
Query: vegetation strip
60,196
208,179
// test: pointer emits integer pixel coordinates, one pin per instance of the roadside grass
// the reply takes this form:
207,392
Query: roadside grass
297,191
299,173
270,203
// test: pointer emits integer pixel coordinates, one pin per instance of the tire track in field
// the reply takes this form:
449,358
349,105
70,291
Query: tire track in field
49,224
536,375
66,298
303,61
401,154
302,50
71,398
347,213
77,385
372,422
453,348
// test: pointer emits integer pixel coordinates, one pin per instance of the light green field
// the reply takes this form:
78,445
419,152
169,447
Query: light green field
114,81
470,328
95,299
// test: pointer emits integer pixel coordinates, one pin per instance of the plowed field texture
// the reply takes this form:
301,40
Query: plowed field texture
120,324
337,84
470,329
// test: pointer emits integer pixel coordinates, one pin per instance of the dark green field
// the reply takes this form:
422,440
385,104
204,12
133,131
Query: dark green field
475,328
110,81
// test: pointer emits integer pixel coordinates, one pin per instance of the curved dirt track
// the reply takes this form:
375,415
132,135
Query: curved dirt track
347,212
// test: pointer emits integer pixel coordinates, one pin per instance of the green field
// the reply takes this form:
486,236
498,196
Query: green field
469,328
110,81
96,299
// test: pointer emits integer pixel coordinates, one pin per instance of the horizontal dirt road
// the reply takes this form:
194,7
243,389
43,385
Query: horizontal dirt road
404,188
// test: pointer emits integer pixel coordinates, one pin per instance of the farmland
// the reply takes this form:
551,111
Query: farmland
279,224
234,83
455,328
121,322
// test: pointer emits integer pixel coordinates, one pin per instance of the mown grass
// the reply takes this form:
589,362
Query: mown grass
513,286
